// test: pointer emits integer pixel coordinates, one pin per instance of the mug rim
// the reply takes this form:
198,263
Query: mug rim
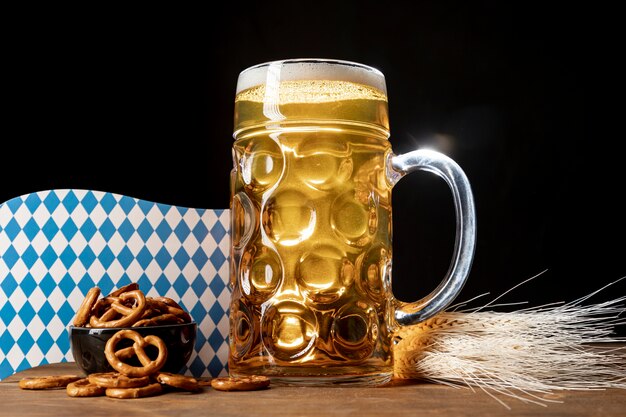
274,72
329,61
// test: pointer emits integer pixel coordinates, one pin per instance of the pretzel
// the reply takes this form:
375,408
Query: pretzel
168,306
84,311
46,382
172,306
102,311
167,301
125,393
115,380
249,383
149,366
149,312
84,388
158,320
103,306
204,382
186,383
126,353
129,314
130,287
127,307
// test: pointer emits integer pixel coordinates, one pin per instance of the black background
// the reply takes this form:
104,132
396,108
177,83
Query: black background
140,102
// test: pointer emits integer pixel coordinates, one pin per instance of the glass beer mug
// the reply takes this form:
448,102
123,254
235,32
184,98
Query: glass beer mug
311,225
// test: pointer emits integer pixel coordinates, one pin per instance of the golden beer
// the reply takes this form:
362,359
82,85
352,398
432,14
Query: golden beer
311,229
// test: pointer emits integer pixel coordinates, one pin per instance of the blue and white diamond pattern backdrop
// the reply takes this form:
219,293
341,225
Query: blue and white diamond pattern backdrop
56,245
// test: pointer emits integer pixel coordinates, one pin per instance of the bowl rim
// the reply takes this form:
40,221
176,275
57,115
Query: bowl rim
98,330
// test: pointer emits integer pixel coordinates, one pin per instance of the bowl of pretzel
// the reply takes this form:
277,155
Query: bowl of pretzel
100,318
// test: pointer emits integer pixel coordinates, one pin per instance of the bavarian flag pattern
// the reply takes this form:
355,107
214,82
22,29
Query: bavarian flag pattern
55,245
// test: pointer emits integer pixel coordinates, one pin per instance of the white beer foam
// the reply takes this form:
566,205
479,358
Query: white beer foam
310,69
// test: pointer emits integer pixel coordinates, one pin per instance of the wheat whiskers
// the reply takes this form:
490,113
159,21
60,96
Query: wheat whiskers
525,354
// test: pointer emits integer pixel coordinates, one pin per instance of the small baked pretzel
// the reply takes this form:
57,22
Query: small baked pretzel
46,382
84,388
186,383
130,287
168,306
126,353
103,305
204,382
148,311
159,320
129,314
167,301
102,311
248,383
124,393
115,380
84,311
149,366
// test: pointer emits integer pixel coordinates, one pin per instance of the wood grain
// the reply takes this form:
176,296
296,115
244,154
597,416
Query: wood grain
402,398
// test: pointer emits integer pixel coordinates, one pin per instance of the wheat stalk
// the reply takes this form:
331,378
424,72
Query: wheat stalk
524,354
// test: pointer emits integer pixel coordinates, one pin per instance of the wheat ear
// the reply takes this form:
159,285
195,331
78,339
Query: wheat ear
524,354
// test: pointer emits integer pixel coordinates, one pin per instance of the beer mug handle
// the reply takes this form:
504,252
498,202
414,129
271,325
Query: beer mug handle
465,241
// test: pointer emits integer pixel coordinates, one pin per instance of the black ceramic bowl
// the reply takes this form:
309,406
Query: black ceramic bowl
88,345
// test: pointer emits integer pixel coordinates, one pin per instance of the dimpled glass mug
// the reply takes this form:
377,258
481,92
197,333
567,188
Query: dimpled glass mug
311,225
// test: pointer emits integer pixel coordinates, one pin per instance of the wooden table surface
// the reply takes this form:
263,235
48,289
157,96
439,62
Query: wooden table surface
402,398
